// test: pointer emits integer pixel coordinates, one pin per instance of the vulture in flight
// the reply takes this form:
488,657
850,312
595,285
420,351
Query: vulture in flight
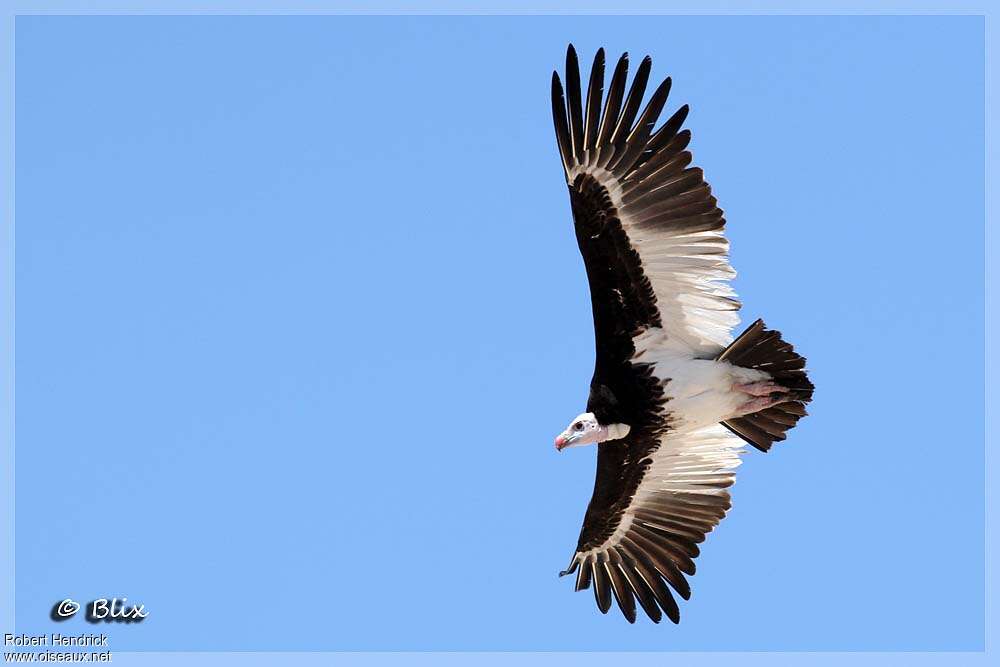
674,396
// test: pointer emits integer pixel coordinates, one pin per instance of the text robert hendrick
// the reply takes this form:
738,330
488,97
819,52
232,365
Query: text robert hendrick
55,639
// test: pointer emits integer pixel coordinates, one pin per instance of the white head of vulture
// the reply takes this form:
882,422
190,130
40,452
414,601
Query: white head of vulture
674,396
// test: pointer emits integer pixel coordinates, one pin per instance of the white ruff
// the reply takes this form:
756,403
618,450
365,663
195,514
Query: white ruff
618,431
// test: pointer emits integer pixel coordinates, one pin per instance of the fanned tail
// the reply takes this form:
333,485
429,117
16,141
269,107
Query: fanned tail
764,350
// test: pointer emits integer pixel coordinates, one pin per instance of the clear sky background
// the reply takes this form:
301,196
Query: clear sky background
300,310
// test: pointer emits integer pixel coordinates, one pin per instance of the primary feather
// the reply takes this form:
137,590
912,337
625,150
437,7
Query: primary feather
651,236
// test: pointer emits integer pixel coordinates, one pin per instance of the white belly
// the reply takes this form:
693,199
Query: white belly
700,391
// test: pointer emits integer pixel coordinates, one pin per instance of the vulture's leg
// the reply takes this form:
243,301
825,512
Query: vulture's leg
760,395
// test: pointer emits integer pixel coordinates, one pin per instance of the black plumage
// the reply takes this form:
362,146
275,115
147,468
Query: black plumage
630,183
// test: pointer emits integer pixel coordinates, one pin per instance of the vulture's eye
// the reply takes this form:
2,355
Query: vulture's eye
578,426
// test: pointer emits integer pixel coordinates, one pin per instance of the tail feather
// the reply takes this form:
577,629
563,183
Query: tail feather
764,350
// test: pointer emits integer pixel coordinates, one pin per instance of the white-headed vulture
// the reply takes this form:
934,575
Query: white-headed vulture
673,396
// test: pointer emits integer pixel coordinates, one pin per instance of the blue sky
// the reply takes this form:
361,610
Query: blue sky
299,312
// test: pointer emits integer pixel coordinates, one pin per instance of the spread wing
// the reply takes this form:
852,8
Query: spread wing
648,515
651,237
648,227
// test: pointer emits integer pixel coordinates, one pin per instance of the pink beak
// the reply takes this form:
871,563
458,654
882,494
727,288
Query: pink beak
560,443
